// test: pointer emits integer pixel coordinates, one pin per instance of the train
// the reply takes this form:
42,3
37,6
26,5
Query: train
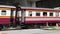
29,16
37,17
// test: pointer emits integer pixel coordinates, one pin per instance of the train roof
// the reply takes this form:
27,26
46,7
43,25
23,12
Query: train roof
34,8
8,6
39,8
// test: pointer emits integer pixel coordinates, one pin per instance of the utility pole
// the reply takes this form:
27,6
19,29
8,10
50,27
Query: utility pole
22,21
16,13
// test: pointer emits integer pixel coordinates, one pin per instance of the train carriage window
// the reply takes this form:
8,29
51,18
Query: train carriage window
57,14
51,13
37,13
30,13
44,13
3,12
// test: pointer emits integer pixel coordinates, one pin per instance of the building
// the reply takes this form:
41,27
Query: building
28,3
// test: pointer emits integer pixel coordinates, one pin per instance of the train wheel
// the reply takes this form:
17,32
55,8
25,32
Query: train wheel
1,27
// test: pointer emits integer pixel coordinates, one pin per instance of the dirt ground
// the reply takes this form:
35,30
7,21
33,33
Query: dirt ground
30,31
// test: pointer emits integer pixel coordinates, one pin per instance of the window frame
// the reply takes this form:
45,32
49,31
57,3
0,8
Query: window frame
30,13
57,13
51,13
46,14
38,13
3,12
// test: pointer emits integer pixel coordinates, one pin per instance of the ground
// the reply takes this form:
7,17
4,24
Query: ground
30,31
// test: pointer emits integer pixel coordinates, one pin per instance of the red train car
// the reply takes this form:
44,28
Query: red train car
41,16
5,15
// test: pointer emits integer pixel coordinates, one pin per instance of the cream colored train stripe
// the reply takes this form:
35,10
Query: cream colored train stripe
5,8
29,17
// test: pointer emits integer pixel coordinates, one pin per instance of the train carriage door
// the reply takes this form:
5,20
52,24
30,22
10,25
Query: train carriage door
11,17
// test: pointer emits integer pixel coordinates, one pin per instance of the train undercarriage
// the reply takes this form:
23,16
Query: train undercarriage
30,26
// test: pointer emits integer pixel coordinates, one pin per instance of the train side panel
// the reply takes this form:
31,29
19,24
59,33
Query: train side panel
41,20
31,16
5,15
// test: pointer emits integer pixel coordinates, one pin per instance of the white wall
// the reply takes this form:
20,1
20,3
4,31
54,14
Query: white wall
8,12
